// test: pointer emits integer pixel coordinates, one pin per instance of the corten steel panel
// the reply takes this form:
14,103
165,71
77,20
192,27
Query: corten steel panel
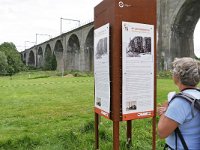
109,11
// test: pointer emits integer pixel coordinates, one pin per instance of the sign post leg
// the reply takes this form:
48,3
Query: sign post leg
154,133
96,131
129,133
115,135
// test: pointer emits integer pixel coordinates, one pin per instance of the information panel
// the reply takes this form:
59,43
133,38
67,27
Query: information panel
101,70
138,70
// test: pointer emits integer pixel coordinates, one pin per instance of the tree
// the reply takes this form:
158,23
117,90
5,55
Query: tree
13,58
50,62
53,63
3,63
47,61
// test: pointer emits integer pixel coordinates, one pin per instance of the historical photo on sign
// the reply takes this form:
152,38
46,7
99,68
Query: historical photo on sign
101,48
139,46
138,70
98,101
132,105
101,70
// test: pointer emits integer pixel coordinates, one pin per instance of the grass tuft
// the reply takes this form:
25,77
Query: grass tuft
88,127
23,143
104,135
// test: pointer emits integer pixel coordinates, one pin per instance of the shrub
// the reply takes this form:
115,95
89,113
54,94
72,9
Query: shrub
167,74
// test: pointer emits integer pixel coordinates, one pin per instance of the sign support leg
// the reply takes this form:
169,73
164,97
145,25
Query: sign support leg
129,133
96,131
154,133
115,135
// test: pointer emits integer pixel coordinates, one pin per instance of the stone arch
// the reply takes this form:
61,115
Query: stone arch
89,51
40,57
58,46
58,52
182,30
48,51
73,53
40,51
31,59
47,58
53,62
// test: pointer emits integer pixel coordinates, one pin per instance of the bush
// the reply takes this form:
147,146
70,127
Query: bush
50,62
167,74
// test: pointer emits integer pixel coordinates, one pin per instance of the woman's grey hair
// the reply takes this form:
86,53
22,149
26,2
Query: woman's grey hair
187,70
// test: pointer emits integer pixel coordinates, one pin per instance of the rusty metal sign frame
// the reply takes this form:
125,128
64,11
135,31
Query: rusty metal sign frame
114,12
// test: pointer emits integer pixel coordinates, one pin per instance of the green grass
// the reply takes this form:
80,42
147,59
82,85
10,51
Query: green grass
41,111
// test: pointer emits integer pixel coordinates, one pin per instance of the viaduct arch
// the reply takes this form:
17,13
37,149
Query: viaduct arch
40,57
89,51
176,21
31,59
73,53
58,51
176,24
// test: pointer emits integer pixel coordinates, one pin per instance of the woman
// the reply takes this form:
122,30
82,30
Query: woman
186,76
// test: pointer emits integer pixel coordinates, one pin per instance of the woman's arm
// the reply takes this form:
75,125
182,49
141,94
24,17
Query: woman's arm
166,126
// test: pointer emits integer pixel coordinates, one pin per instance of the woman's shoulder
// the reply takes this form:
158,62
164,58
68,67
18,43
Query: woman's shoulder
178,110
193,92
179,102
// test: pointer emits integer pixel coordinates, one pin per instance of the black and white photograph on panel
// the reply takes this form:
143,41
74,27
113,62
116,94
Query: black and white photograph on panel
101,48
139,46
98,101
131,105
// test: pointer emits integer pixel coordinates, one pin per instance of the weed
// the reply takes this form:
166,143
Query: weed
167,74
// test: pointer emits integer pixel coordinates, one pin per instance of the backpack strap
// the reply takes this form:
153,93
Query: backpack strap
198,89
167,147
178,132
187,97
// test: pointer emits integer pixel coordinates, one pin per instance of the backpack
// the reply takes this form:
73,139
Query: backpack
195,103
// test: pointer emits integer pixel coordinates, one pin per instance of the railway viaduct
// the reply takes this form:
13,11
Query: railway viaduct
72,50
176,21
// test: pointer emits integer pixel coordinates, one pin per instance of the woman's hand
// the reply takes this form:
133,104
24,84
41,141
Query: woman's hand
161,109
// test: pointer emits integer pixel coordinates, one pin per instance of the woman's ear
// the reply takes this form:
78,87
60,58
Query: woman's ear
175,79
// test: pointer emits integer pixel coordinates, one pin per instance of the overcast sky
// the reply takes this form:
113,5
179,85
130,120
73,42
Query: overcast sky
197,40
22,19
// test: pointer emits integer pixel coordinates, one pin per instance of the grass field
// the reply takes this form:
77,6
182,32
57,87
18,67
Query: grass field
41,111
